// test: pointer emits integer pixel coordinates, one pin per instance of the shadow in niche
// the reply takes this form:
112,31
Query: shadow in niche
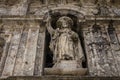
49,53
84,63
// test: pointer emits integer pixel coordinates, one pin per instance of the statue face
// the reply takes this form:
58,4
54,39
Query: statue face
64,22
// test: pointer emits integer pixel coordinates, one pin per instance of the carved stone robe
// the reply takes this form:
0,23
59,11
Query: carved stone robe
65,45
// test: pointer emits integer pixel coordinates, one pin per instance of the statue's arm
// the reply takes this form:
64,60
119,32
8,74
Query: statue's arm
75,36
49,27
78,48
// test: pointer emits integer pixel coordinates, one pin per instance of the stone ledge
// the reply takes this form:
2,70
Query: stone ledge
57,71
61,78
87,18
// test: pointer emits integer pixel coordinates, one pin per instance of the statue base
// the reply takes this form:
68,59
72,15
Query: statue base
66,68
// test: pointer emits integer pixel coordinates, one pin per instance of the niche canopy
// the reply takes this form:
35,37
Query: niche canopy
65,43
66,11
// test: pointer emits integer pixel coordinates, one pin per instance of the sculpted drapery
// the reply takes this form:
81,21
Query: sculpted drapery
65,43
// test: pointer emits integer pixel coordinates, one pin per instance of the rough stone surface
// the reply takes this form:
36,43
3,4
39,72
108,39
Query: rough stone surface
66,68
22,25
13,7
63,78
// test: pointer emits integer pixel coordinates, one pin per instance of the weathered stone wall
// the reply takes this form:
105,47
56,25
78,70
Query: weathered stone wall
63,78
25,41
38,7
24,48
20,22
12,7
102,49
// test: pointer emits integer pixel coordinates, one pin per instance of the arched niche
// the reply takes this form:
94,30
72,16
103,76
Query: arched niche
55,14
75,14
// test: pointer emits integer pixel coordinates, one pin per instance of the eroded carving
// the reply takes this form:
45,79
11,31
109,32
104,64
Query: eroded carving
65,43
9,2
2,41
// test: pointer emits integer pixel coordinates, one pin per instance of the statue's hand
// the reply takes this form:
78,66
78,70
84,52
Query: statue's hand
75,37
47,18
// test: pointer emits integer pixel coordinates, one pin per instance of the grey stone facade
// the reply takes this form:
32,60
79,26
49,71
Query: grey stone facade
25,36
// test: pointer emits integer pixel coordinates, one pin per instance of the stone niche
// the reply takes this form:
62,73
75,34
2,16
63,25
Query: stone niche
62,68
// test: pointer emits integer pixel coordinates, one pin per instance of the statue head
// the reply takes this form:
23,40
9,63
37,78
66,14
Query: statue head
64,22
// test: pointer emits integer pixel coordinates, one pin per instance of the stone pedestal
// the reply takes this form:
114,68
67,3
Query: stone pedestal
67,65
66,68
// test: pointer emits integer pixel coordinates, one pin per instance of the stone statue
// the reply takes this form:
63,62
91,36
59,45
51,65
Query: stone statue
65,43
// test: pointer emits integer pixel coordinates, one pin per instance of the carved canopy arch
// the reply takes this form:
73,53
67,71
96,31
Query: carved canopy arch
75,14
66,11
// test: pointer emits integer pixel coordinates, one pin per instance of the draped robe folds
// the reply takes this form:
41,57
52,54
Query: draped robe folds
65,45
